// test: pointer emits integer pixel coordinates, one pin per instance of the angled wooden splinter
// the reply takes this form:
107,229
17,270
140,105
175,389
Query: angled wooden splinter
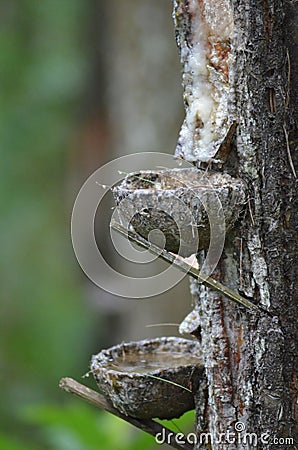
184,266
98,400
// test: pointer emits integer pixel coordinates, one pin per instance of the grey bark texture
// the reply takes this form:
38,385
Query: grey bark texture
250,358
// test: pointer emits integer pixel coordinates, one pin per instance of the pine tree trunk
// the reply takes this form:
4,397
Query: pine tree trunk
250,74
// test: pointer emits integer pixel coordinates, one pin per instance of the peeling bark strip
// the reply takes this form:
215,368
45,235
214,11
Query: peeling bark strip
203,31
251,361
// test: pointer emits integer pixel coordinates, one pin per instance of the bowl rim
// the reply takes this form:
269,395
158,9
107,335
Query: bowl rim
103,366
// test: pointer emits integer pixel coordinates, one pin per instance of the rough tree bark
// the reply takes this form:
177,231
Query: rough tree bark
240,64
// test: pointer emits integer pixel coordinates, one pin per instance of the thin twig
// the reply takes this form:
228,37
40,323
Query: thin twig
289,79
169,382
289,152
121,172
272,100
163,325
250,212
241,265
147,425
184,266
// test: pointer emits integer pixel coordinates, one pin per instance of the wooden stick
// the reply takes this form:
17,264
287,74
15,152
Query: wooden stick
289,152
147,425
184,266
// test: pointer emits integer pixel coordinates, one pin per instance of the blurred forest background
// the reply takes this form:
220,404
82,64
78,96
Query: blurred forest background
81,82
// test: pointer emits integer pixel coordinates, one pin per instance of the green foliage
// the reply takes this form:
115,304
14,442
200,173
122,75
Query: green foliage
7,442
46,330
77,426
45,326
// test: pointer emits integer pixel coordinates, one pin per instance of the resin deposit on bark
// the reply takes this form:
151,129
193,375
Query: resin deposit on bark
203,37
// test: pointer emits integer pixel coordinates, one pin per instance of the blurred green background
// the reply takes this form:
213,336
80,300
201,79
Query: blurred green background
56,123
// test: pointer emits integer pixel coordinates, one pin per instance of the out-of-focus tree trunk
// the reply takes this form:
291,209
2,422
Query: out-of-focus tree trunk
144,107
132,104
243,59
143,89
